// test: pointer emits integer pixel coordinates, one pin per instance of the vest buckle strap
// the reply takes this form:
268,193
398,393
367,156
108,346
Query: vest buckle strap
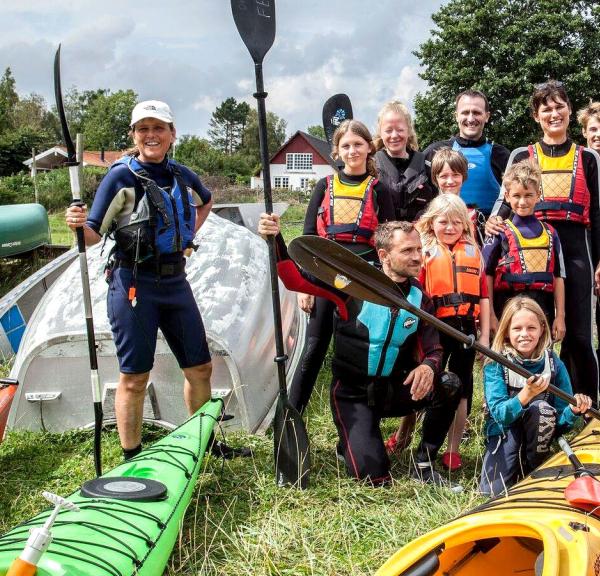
559,206
454,300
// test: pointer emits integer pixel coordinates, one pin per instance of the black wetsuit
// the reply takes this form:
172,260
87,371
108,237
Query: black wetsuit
375,349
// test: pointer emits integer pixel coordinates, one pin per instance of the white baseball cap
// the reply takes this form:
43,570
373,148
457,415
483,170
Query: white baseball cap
152,109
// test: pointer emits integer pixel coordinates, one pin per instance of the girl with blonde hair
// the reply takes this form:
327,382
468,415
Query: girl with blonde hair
523,416
453,276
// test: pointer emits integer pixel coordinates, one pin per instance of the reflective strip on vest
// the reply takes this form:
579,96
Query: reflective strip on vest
565,195
529,262
453,279
379,320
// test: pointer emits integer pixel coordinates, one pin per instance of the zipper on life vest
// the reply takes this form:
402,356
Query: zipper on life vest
386,344
454,279
178,243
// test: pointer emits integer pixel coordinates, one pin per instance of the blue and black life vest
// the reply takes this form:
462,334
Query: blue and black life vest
162,222
481,188
372,338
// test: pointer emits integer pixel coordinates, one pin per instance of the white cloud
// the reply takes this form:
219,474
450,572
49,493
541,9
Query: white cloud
190,54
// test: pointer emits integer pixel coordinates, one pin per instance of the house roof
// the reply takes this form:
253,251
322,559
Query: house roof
321,146
57,156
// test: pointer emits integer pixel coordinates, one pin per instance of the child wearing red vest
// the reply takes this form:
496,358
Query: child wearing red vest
526,257
345,207
454,278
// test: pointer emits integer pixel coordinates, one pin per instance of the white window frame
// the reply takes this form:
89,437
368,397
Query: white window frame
304,183
281,182
299,161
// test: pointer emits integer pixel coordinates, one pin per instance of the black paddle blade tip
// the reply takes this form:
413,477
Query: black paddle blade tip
255,21
291,447
335,110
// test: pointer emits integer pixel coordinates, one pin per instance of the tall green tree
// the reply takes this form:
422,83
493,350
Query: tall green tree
32,112
8,100
106,120
78,103
504,48
24,123
227,124
276,128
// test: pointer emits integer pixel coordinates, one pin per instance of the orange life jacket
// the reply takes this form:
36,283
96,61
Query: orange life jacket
526,263
347,213
565,195
453,279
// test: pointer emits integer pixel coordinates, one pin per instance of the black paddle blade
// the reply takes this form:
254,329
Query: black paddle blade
255,21
338,267
337,109
292,449
61,109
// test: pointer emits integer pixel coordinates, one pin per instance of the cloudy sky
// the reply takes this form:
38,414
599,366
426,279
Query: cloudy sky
190,54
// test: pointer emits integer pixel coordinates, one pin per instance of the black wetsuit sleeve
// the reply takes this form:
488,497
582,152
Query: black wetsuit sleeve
385,204
590,167
559,262
491,252
428,339
499,160
429,153
312,212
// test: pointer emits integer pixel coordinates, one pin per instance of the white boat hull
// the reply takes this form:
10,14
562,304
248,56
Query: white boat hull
228,274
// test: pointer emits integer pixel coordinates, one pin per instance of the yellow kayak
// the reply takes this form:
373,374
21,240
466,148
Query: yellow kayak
532,531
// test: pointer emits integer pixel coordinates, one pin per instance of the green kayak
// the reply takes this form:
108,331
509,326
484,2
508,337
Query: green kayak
23,227
135,532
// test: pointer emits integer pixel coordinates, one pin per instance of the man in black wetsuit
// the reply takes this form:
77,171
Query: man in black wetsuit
486,160
386,361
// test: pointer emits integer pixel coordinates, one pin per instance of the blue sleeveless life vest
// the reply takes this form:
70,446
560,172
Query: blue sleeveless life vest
481,187
388,329
163,222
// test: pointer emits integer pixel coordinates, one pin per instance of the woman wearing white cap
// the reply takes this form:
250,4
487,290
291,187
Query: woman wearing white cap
153,207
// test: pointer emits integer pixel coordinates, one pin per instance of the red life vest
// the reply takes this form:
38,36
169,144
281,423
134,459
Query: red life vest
453,279
347,213
565,195
526,263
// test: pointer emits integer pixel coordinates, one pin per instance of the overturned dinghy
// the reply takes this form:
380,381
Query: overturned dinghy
229,276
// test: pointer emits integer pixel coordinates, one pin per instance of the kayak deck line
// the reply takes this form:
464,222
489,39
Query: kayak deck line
117,537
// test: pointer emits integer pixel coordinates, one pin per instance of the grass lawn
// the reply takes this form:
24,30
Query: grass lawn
59,231
239,522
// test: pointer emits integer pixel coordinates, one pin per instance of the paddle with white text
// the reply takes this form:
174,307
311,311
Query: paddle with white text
339,267
255,21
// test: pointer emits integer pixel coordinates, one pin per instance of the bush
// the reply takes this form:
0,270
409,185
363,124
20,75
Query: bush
54,188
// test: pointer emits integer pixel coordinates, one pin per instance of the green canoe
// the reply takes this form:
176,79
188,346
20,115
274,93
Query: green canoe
114,537
23,227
